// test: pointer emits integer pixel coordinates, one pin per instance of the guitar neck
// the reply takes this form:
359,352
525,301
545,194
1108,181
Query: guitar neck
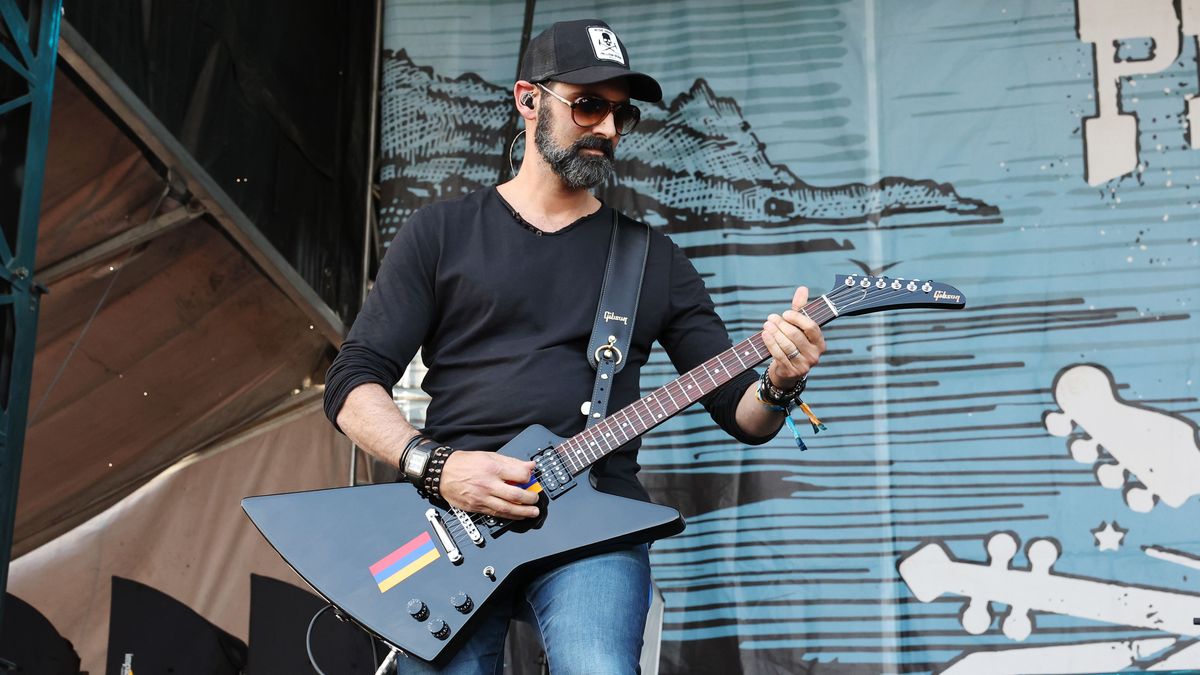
594,443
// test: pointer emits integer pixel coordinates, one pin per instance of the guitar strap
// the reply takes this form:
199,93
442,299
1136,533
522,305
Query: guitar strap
613,327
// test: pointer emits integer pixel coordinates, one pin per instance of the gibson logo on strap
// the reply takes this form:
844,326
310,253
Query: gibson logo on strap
610,316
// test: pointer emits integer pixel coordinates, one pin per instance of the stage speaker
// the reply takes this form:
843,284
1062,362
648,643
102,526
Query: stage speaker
166,636
30,644
279,617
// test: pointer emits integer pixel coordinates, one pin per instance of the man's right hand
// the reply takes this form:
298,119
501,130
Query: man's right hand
482,482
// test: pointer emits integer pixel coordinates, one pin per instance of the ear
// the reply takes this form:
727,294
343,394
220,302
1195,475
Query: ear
525,93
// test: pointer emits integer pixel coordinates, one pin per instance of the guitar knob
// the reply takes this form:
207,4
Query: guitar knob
418,610
439,629
462,602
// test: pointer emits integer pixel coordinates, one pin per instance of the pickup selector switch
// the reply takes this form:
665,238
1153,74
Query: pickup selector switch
438,628
418,610
462,602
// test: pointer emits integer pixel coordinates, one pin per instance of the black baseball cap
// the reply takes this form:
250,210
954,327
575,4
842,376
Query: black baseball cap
583,52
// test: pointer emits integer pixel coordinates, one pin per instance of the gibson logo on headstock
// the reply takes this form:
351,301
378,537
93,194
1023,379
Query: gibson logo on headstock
609,316
943,295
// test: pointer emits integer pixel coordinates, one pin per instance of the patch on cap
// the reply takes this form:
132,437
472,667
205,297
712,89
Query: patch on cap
604,44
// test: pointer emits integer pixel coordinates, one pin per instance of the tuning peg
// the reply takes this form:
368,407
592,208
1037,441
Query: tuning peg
977,617
1001,548
1058,424
1084,450
1042,554
1018,625
1111,476
1140,499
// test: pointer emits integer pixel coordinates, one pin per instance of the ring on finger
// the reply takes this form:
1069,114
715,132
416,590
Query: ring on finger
793,354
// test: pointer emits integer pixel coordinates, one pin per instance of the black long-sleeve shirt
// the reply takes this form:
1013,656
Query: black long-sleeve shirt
503,314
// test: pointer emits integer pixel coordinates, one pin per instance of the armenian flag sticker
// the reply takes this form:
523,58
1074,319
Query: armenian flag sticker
404,562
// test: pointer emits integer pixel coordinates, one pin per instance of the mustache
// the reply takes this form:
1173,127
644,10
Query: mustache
593,143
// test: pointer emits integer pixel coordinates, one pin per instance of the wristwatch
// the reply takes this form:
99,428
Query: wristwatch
415,458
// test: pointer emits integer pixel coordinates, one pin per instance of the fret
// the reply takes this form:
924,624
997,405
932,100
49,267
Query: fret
667,388
737,356
566,455
633,407
664,413
851,293
611,438
590,445
598,440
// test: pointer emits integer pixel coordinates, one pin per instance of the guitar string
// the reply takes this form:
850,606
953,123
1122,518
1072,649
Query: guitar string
595,435
840,293
592,437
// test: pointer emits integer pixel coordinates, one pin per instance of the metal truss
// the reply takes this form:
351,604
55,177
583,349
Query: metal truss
32,58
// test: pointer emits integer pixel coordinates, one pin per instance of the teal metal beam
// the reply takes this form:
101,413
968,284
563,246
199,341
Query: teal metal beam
35,63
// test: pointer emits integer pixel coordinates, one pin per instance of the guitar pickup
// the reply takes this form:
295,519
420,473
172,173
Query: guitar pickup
550,473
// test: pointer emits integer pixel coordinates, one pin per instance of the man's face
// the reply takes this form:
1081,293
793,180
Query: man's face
582,157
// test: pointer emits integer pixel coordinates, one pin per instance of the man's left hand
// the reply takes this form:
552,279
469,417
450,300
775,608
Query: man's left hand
795,341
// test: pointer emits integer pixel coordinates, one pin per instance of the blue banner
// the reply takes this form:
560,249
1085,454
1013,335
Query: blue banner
1006,489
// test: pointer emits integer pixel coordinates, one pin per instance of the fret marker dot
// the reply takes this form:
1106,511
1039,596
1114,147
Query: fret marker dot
689,386
660,416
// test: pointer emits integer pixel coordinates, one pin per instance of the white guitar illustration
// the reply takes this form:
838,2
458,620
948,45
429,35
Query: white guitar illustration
1156,447
1089,657
930,571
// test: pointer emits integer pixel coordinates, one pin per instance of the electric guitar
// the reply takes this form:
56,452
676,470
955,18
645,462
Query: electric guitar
416,574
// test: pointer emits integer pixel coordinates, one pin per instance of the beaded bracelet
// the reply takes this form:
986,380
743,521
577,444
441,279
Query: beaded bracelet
771,395
774,398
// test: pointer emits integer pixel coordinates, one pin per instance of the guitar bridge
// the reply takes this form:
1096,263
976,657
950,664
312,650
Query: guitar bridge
443,535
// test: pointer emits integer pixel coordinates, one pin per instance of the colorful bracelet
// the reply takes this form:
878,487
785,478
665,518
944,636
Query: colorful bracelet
776,398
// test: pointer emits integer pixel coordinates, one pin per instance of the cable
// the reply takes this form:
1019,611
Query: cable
308,638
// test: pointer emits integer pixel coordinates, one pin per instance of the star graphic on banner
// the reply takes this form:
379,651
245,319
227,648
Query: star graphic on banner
1109,536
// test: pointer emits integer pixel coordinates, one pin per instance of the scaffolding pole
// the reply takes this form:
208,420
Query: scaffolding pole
31,61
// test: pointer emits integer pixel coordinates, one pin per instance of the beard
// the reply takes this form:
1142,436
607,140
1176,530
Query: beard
576,171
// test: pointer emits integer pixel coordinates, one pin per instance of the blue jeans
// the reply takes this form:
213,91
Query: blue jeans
591,614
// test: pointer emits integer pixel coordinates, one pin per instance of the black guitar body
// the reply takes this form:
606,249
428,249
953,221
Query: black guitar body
332,538
417,575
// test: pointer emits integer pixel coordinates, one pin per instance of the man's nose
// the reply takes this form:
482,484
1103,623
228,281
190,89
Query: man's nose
607,127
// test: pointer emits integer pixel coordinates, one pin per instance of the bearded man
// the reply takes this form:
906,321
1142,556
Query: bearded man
499,289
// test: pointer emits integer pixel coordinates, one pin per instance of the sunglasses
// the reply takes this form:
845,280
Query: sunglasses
588,111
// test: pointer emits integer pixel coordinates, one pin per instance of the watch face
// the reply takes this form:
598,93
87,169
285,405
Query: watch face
414,465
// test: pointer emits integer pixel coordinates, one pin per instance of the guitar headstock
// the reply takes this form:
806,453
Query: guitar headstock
860,294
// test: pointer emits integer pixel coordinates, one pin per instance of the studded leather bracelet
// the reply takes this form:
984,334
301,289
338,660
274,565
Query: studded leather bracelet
772,396
431,482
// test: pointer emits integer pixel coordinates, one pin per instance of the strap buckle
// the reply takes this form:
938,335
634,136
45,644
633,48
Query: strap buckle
608,350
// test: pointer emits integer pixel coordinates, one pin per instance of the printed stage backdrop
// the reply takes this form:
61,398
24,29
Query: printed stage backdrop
1007,489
